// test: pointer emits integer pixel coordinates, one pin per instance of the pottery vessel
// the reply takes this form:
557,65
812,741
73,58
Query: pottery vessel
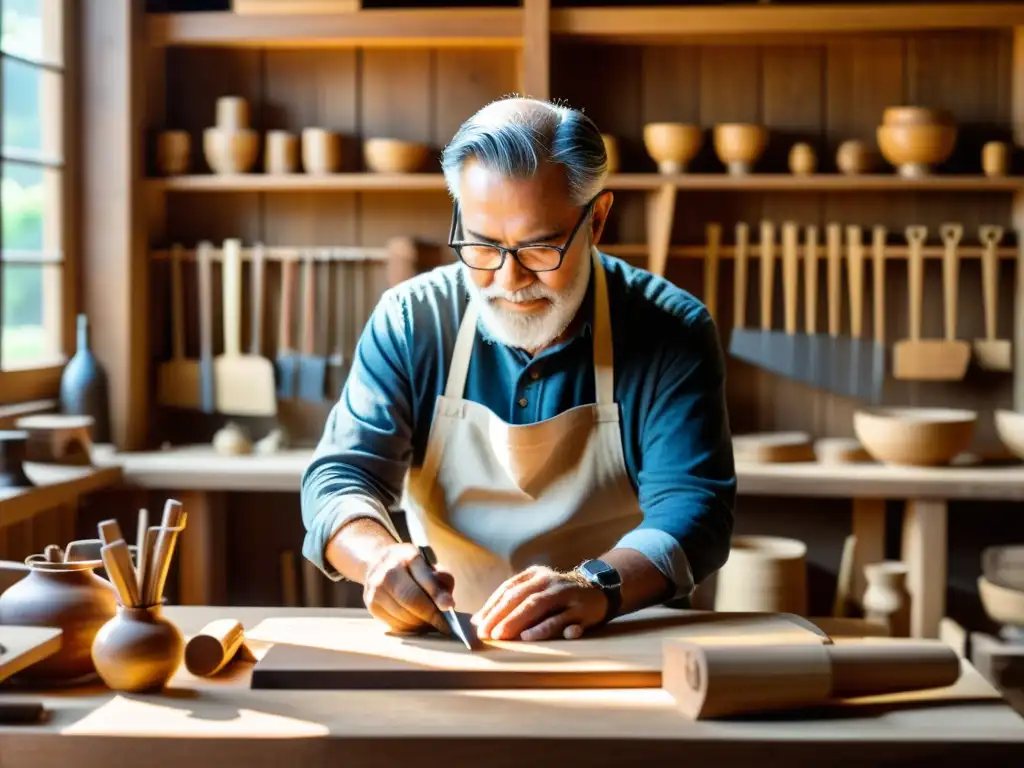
672,145
995,158
280,152
13,454
173,149
916,148
230,151
886,598
907,115
763,573
1003,604
611,150
394,155
854,157
67,595
802,160
914,436
138,650
232,113
84,387
321,151
740,145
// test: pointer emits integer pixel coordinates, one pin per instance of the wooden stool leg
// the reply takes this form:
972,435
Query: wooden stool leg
202,549
924,552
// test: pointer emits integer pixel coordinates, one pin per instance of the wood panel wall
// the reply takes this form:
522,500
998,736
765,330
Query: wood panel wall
822,93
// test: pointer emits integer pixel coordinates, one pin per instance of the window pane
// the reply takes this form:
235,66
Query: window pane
32,109
31,329
32,29
31,208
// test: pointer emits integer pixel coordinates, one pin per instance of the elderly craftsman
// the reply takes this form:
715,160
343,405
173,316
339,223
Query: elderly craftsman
551,419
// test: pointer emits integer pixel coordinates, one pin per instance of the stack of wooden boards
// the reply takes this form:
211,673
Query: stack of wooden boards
712,663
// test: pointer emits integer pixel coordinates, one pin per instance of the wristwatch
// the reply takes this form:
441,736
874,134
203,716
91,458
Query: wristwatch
603,576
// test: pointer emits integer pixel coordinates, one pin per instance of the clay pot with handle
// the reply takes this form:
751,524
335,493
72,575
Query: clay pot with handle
66,595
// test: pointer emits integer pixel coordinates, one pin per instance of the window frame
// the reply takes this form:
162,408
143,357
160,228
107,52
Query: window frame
42,381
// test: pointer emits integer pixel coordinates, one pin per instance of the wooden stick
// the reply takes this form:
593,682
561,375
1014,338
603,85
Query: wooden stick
141,558
117,560
163,549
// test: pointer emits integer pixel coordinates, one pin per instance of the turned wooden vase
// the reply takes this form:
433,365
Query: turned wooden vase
138,650
886,598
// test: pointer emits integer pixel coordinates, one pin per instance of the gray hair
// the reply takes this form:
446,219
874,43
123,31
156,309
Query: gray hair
513,136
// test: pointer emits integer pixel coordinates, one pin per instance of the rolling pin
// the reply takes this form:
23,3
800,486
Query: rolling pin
709,681
215,646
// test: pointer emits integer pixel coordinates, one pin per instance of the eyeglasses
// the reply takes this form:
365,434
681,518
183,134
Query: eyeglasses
490,257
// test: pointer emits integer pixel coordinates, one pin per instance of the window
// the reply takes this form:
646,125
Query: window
33,309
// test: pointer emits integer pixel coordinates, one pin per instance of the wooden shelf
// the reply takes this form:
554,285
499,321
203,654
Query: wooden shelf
476,27
665,24
763,182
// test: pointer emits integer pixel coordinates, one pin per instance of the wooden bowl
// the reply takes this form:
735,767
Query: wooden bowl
740,145
914,436
916,116
1010,430
394,155
672,145
229,152
915,149
854,157
1002,604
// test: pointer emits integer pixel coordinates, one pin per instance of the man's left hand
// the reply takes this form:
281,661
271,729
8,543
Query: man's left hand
541,604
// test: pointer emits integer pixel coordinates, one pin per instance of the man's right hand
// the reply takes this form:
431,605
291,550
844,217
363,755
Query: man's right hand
402,590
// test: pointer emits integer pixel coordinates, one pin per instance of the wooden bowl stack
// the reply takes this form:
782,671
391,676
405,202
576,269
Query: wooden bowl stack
231,146
915,139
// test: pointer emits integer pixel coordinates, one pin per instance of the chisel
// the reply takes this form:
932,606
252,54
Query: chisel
459,624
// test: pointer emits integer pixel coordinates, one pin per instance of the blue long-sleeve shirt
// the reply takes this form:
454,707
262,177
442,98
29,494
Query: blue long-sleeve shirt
669,384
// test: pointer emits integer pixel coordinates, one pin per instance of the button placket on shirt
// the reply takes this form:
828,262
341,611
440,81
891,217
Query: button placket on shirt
523,401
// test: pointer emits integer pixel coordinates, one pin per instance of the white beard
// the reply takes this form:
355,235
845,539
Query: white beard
532,331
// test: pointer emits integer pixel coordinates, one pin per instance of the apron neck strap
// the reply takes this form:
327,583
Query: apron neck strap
604,370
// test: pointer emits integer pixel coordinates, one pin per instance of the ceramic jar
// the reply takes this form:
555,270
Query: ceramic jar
995,158
886,598
67,595
138,650
802,160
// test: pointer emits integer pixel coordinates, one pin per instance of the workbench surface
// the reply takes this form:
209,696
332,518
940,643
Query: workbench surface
221,721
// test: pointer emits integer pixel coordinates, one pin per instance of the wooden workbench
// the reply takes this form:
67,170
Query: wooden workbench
223,722
198,471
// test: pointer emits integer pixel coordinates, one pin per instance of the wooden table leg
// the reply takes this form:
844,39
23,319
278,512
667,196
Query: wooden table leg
924,552
202,549
869,527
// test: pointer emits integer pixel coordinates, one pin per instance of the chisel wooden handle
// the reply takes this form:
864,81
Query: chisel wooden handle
308,304
951,236
790,273
767,273
284,328
916,236
739,302
811,280
713,235
256,310
990,235
231,284
878,238
855,276
834,236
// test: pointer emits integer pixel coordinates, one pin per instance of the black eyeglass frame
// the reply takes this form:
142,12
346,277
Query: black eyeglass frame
457,246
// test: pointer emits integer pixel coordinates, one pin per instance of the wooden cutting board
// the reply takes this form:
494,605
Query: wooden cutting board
357,653
22,646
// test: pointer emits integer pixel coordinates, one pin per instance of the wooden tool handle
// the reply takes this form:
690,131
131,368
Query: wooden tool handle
231,277
284,328
714,240
141,555
790,273
341,308
990,235
876,668
767,273
951,235
324,302
855,276
163,549
256,310
811,280
739,302
308,304
177,306
834,236
878,238
206,323
118,563
916,236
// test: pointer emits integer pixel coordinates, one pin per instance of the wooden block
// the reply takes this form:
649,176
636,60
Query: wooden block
22,646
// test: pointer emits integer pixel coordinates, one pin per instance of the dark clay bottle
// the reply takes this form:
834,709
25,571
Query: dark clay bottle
83,386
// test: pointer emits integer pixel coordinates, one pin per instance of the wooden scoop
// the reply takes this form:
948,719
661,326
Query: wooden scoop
178,379
244,383
931,359
992,354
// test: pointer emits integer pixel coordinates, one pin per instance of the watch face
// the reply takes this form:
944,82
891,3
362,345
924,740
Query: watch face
602,573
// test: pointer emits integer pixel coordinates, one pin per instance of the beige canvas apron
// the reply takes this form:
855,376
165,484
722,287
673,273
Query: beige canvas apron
493,498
